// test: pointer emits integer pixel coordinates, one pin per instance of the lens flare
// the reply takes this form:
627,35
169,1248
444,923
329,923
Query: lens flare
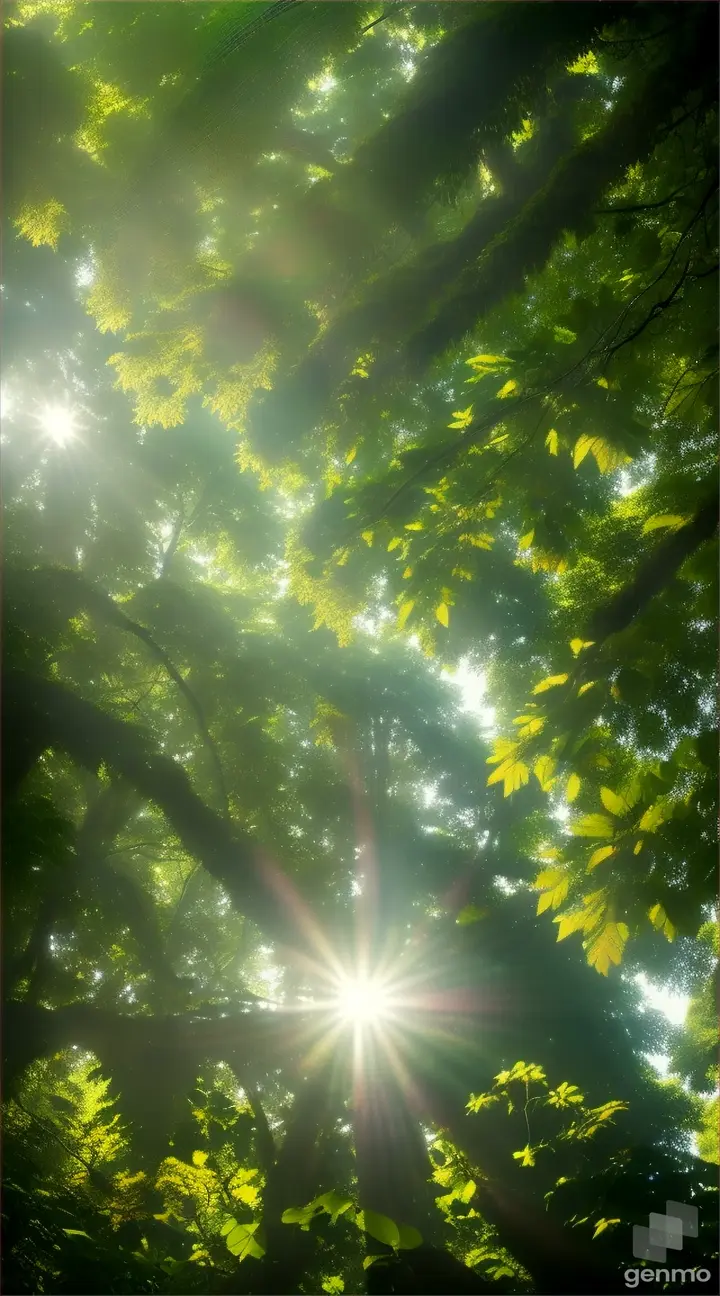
363,1000
58,424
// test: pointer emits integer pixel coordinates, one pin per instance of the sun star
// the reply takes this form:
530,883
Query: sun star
363,1000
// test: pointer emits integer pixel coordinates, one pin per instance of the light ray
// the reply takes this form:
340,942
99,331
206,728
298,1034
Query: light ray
58,424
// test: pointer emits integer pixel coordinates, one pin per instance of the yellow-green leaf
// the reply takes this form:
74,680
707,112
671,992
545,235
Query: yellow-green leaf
603,1224
543,771
553,898
404,612
503,747
584,687
525,1156
551,441
593,825
573,787
665,521
607,947
512,773
652,819
367,537
534,725
577,645
470,914
350,455
199,1158
552,681
526,540
607,457
507,389
569,923
483,361
442,612
597,857
548,878
660,920
394,544
617,805
463,418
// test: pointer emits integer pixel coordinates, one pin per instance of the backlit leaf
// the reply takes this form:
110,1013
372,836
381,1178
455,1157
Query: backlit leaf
661,922
603,1224
470,914
617,805
665,522
404,612
463,418
543,771
652,818
607,457
241,1242
574,784
379,1227
607,947
552,441
552,681
593,825
597,857
410,1237
442,612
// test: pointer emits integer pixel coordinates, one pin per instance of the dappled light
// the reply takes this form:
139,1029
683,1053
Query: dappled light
359,404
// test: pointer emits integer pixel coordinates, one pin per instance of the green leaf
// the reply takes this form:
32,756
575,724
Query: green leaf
607,457
334,1204
409,1237
470,914
665,522
241,1242
379,1227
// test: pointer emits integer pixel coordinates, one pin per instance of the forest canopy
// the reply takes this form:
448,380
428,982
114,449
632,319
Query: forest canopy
360,751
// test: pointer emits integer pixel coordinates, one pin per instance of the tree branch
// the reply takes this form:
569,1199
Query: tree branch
56,717
654,574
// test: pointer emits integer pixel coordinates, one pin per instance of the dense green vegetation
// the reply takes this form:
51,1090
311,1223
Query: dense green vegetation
360,758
